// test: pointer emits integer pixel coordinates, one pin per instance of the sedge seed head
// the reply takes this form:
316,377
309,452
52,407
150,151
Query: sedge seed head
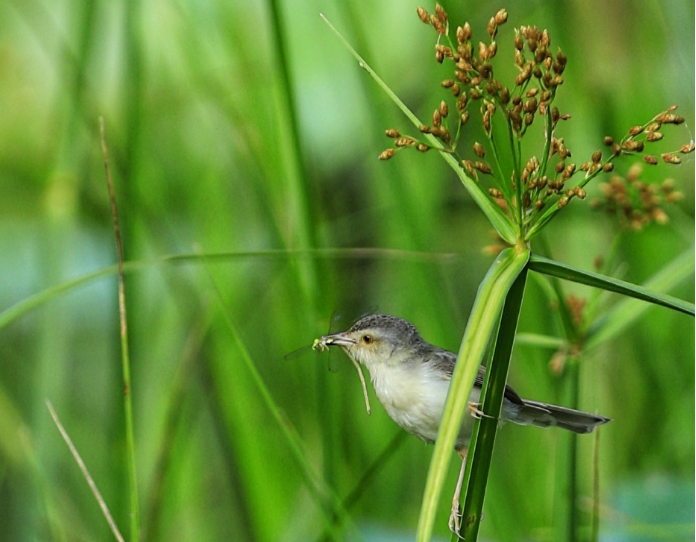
492,28
687,148
670,158
423,15
443,109
483,167
634,146
501,17
469,167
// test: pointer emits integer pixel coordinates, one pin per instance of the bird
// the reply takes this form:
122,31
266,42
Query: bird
411,379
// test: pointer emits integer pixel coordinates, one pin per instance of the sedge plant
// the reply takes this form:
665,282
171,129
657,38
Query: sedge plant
521,186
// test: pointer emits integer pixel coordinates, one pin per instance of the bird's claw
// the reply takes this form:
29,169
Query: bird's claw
455,519
476,411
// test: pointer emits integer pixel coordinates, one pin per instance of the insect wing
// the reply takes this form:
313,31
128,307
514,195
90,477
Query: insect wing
298,353
334,327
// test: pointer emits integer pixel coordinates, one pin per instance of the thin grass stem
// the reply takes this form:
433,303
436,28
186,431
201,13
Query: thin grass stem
125,359
85,472
594,535
572,497
13,313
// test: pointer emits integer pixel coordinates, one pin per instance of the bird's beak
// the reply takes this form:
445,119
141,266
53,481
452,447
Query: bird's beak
338,339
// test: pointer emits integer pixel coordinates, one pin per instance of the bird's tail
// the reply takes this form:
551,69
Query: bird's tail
545,415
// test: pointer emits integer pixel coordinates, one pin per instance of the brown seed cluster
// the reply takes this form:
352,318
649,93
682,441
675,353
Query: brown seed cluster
545,183
540,74
637,136
636,202
474,85
542,186
472,82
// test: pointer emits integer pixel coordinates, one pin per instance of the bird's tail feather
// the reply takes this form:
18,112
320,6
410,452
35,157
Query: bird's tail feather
545,415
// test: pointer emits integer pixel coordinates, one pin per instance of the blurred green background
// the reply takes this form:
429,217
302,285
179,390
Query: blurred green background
239,127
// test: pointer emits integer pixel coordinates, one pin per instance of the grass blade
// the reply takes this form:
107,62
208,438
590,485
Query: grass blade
303,234
627,311
503,225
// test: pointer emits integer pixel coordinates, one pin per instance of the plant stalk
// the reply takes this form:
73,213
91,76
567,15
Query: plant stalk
485,429
484,318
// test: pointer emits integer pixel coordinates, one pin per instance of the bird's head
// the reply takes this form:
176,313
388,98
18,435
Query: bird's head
377,339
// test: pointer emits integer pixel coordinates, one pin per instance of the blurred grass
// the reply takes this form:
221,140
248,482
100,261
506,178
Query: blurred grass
202,149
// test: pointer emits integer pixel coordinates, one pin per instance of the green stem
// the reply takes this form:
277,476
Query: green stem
518,182
493,392
573,519
547,144
303,235
504,185
513,149
125,357
484,318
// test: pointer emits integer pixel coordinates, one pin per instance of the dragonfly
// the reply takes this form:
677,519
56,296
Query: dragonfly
322,344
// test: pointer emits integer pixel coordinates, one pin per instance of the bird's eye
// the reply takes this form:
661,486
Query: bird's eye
367,339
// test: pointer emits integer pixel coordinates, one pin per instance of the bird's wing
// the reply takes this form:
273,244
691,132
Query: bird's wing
445,362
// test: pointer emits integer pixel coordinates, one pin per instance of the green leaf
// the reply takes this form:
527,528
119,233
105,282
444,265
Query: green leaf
563,271
501,222
483,320
626,312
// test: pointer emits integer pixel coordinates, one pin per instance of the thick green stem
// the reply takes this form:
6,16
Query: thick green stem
483,321
481,451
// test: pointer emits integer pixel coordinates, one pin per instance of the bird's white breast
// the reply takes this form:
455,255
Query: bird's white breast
414,397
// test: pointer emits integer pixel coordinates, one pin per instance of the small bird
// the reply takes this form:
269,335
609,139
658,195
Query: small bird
411,378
